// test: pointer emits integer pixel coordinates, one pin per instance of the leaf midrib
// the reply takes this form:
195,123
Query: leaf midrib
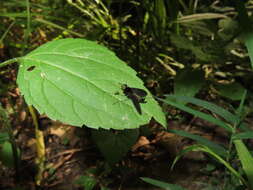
73,56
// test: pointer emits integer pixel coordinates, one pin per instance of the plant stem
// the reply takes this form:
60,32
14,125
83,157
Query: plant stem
7,30
10,61
28,26
40,145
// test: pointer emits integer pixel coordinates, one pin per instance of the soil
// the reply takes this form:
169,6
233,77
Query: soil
71,152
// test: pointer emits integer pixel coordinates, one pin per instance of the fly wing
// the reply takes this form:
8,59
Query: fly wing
139,92
136,103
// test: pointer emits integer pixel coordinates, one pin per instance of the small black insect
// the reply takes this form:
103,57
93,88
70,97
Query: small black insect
136,95
31,68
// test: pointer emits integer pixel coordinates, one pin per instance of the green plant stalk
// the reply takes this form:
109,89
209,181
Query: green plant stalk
7,125
58,27
40,145
232,170
7,30
244,155
243,17
235,126
204,148
10,61
28,25
84,11
230,145
183,5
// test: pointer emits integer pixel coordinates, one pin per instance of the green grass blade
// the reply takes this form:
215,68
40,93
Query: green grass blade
246,160
3,137
214,155
225,163
220,150
166,186
191,148
244,135
196,113
229,117
58,27
240,108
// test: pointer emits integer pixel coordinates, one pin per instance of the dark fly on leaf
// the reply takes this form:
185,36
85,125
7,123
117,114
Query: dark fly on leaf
136,95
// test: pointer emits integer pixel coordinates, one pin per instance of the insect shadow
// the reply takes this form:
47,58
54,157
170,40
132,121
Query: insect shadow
136,95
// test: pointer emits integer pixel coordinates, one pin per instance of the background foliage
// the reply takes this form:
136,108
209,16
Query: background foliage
194,48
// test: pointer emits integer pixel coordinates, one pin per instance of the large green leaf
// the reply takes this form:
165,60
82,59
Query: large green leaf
3,137
79,82
188,82
233,91
6,154
88,182
114,145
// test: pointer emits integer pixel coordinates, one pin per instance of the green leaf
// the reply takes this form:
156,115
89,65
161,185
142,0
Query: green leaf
202,148
3,137
6,154
243,135
249,45
88,182
246,159
188,82
184,43
79,82
227,28
173,100
161,16
115,144
220,150
232,91
166,186
229,117
104,188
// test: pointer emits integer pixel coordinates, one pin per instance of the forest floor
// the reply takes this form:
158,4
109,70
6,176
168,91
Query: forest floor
71,152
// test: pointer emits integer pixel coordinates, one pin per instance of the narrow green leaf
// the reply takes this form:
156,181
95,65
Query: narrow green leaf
104,188
80,82
220,150
239,110
232,91
160,15
249,45
161,184
14,15
246,160
184,43
172,100
6,155
243,135
200,16
58,27
3,137
88,182
203,148
195,147
229,117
